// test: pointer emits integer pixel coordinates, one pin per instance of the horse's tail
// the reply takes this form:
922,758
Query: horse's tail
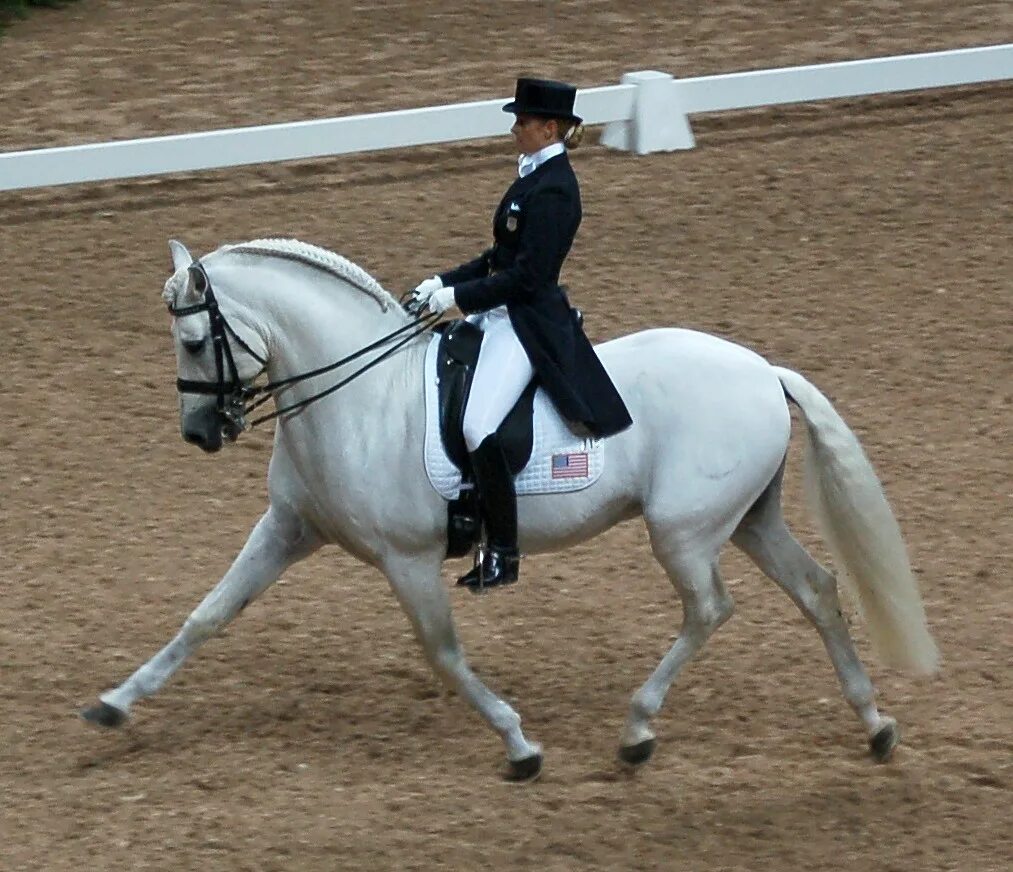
861,531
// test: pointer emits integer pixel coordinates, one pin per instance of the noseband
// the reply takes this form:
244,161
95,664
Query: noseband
233,397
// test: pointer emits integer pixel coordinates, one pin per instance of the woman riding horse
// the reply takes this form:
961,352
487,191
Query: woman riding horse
529,326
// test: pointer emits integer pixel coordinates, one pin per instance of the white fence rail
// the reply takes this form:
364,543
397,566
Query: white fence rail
647,112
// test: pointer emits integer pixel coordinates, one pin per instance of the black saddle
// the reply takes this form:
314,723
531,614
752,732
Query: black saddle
455,368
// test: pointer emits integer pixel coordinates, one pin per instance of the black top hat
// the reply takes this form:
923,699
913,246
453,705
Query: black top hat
545,98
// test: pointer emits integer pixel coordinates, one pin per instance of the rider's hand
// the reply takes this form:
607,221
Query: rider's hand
441,299
425,289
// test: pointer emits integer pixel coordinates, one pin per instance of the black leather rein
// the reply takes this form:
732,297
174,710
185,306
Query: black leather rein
233,397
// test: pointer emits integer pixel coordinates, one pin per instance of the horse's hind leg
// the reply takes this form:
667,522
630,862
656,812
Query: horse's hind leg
765,538
275,544
706,606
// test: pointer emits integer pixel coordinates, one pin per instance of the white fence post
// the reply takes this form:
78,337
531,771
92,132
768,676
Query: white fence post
658,122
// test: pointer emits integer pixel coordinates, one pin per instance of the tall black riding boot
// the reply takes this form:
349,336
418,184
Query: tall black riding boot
500,560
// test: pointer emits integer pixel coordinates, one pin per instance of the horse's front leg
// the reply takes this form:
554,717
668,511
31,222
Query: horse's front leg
278,540
417,584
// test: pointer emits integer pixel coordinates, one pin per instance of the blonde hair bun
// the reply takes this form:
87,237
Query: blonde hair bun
574,136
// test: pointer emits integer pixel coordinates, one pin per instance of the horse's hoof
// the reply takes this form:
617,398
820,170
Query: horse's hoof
526,769
636,755
104,715
884,740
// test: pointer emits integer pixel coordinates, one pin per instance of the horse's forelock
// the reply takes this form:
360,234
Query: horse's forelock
175,285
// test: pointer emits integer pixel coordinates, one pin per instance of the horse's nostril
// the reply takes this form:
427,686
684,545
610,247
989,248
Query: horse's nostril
202,427
194,437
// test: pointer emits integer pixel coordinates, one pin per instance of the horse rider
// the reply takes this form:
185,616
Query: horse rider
512,292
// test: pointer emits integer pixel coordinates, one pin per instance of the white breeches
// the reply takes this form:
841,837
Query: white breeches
502,373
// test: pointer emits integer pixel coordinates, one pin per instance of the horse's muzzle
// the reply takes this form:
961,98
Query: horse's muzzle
207,428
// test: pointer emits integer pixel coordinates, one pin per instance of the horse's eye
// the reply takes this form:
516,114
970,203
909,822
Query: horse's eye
194,346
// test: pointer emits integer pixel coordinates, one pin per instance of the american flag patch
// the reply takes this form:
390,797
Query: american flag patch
569,465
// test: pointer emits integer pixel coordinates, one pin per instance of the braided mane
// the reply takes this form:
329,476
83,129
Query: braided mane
320,258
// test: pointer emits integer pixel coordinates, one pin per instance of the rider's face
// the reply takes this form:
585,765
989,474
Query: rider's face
532,133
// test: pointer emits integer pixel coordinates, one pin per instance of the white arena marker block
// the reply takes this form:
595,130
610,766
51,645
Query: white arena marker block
658,123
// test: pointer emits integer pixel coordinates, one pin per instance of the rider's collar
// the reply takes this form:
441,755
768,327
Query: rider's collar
528,163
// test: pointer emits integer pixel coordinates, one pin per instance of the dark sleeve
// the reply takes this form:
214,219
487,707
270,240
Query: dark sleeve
473,269
543,245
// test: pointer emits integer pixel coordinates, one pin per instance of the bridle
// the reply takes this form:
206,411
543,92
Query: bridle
235,400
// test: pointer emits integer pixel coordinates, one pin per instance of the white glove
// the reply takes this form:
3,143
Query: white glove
441,299
425,289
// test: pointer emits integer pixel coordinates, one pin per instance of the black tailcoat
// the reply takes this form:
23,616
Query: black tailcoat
533,229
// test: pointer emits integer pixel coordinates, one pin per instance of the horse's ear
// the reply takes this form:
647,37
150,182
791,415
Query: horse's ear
180,256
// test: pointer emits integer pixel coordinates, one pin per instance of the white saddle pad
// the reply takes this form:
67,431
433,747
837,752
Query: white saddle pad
561,461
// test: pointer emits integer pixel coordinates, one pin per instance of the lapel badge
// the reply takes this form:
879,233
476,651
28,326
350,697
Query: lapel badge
512,212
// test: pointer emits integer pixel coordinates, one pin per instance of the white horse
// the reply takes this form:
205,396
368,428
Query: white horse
702,463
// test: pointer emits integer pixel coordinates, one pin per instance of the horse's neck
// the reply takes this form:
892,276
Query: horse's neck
316,325
312,323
